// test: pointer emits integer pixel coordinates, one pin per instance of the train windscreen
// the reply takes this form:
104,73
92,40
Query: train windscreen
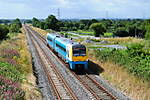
79,50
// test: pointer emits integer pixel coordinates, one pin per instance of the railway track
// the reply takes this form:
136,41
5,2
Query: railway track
61,88
95,88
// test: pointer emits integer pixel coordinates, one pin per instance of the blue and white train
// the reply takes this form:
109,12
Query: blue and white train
74,53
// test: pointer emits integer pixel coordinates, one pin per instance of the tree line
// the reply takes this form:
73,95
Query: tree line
13,27
119,27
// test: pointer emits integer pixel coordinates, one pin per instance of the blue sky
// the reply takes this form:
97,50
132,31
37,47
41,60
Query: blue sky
75,8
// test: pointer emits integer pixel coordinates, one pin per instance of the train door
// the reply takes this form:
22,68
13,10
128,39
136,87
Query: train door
68,50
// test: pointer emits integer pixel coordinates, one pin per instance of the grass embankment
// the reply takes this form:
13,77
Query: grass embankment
119,64
16,68
41,31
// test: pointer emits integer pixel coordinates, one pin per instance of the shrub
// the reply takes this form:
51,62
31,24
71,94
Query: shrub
3,31
14,28
147,35
9,71
98,29
121,32
135,58
10,90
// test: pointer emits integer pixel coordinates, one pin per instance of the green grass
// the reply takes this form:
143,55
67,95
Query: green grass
94,47
92,33
68,34
9,71
81,31
108,34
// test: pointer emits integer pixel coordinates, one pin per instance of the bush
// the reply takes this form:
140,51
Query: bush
3,31
147,35
9,71
134,58
14,28
121,32
98,29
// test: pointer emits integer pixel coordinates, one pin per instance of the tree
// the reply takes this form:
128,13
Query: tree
81,26
98,29
94,21
52,23
35,22
18,22
147,35
28,21
121,32
41,25
46,26
3,31
15,26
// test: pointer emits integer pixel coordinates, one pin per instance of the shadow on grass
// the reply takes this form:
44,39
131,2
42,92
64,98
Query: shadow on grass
94,69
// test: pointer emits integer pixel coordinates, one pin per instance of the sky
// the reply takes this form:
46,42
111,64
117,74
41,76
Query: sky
74,9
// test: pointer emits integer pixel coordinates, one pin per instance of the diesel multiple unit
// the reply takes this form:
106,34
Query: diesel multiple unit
73,53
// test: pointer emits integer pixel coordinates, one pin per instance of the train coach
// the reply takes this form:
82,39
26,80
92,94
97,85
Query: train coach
73,53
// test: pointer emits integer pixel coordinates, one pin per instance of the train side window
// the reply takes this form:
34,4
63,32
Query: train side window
49,39
60,47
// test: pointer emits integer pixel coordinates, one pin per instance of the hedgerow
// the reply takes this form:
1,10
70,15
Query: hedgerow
136,58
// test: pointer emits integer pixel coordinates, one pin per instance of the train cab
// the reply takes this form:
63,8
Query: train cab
79,57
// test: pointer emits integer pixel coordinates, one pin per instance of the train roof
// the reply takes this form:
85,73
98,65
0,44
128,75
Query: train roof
52,35
66,40
61,39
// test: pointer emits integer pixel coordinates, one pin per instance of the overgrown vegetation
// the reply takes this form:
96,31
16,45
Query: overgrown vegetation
147,35
9,82
11,72
13,65
14,27
3,31
136,58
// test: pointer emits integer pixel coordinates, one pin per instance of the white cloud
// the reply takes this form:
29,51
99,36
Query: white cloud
74,8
